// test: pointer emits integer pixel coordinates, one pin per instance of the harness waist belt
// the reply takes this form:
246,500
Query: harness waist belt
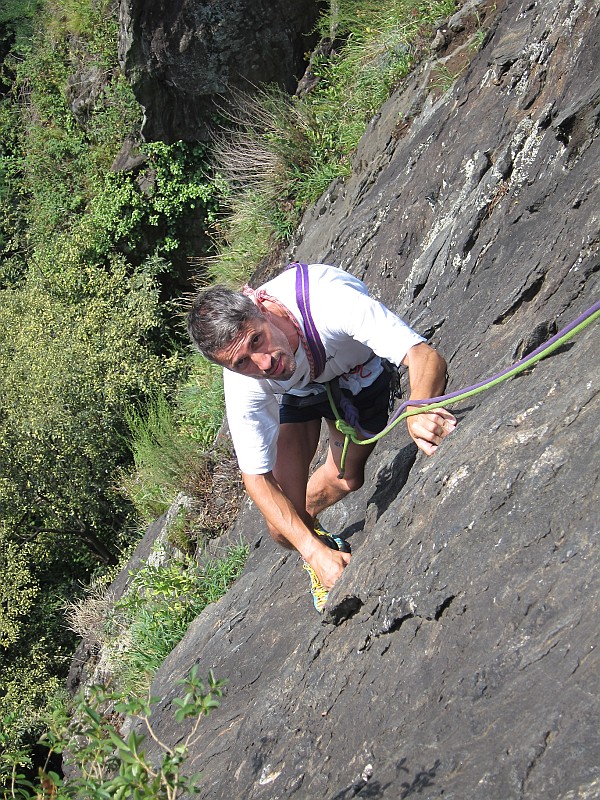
300,401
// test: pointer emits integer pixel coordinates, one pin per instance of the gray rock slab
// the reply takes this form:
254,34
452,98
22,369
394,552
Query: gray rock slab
458,656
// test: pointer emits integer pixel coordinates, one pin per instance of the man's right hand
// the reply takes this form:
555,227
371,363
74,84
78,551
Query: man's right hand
327,563
290,530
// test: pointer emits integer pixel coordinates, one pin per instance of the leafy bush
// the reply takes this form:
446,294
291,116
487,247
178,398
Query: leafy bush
30,682
107,763
16,17
177,198
74,353
18,590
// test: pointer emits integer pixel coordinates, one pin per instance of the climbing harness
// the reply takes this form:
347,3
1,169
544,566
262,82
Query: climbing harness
431,403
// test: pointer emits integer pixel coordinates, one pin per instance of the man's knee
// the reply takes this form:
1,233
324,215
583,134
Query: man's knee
278,537
351,480
351,483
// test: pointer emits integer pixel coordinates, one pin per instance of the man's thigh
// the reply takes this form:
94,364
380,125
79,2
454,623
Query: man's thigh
296,447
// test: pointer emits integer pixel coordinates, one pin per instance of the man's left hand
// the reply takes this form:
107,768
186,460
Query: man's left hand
428,429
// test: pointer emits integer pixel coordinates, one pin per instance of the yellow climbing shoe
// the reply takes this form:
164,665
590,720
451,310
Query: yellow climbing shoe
335,542
318,591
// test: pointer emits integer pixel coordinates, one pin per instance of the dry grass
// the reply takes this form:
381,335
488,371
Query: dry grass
268,133
87,616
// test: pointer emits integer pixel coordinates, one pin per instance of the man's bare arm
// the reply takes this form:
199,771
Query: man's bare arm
427,376
283,518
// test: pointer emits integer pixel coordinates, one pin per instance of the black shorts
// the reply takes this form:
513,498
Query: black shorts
372,404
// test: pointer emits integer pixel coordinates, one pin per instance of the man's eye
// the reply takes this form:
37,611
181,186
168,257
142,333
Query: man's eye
256,338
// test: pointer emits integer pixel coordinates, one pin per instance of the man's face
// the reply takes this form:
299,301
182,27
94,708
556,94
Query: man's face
260,350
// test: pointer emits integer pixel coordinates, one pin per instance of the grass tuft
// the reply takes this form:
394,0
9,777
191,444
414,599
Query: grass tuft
279,153
148,622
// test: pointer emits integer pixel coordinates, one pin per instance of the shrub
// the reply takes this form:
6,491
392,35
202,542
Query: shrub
18,590
74,354
75,349
177,198
105,762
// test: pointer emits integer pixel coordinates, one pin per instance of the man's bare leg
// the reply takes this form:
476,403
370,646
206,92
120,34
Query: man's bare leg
296,447
325,487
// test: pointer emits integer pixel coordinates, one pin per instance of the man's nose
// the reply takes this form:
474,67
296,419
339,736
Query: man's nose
262,361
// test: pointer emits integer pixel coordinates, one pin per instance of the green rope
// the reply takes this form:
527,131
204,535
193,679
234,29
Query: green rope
350,434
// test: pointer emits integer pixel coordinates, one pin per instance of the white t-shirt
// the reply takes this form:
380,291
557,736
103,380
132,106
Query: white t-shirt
353,328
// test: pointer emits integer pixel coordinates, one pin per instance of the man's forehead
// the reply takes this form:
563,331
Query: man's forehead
248,329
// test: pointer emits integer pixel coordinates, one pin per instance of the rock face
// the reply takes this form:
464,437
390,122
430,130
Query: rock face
458,656
183,54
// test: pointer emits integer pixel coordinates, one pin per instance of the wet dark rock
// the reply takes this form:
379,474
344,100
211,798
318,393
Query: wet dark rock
459,655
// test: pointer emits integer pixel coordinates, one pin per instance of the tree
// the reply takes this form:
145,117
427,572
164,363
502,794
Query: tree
78,345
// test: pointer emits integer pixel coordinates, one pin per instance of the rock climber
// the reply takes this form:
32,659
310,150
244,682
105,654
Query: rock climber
275,402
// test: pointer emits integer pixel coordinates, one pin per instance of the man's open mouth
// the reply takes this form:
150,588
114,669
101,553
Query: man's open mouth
277,368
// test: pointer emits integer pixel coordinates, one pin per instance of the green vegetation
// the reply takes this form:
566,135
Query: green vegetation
170,441
156,612
105,416
285,151
91,264
139,630
109,764
134,634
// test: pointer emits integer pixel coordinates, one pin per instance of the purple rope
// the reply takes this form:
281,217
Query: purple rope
350,412
444,397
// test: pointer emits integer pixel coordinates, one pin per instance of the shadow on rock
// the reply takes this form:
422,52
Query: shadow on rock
392,478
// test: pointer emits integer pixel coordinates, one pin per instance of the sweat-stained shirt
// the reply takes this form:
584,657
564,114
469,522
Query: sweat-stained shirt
354,328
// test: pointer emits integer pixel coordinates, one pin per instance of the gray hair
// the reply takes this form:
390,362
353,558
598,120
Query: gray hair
217,316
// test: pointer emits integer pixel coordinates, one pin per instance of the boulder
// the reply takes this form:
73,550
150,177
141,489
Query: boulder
181,56
458,656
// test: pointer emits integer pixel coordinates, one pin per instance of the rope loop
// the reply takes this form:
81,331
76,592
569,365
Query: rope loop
346,429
